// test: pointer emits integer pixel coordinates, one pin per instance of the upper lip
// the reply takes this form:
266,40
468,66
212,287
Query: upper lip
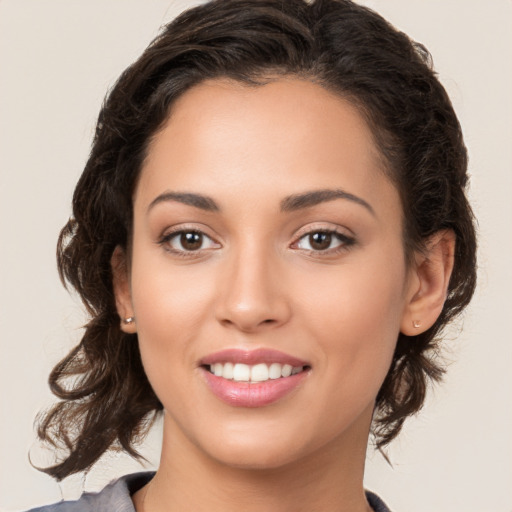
251,357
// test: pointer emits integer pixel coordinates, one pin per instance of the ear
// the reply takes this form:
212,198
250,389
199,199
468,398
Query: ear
428,283
122,290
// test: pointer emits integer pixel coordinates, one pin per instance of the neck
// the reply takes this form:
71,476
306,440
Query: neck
330,479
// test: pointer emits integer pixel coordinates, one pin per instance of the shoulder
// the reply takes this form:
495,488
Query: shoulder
376,503
115,497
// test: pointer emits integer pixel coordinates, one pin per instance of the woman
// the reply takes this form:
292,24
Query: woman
269,234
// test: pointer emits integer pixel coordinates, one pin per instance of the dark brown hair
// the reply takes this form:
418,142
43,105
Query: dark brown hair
106,399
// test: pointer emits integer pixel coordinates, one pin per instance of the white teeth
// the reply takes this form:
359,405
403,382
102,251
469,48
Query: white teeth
286,371
227,372
257,373
274,372
217,369
241,372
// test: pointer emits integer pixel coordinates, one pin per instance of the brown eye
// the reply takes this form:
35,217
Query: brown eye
324,241
188,242
320,241
191,241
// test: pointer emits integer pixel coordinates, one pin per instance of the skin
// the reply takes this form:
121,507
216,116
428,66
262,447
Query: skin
257,282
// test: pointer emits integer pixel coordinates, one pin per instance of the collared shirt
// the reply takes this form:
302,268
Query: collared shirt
116,497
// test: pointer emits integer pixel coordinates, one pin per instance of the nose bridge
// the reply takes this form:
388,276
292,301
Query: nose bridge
252,292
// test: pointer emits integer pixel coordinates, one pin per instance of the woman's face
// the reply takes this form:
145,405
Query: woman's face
266,236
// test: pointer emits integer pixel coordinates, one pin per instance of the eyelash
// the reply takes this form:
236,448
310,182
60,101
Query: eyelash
167,238
345,242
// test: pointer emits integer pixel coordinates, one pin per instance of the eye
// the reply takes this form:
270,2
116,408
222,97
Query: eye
323,241
188,241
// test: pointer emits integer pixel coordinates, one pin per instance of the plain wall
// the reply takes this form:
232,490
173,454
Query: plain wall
57,59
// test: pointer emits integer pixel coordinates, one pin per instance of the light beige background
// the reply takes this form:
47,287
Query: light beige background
58,57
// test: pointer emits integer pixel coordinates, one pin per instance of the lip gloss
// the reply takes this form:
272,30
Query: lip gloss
247,394
255,356
252,394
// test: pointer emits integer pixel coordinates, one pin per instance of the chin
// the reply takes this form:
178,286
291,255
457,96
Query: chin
261,447
256,458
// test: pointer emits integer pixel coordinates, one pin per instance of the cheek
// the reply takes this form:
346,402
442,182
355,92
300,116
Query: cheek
355,313
165,294
169,306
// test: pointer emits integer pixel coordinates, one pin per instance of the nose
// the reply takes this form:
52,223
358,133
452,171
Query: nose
252,292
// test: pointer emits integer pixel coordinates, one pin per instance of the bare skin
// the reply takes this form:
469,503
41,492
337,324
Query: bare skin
263,220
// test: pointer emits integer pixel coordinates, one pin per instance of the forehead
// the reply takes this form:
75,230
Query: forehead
279,113
280,138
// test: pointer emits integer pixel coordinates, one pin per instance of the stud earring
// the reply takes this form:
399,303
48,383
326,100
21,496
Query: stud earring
129,320
416,324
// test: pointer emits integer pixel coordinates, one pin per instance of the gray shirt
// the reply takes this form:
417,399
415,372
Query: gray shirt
116,497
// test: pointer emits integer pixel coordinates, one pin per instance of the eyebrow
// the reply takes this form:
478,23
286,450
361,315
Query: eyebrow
197,200
314,197
289,204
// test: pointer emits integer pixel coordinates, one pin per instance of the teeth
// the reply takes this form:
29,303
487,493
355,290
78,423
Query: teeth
274,371
227,371
257,373
286,371
241,372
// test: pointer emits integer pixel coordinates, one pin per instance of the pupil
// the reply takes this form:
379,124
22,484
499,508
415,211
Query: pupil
191,241
320,241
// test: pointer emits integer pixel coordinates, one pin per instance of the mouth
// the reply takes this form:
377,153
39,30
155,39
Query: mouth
253,378
261,372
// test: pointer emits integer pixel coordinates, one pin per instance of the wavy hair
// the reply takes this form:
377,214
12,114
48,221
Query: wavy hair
106,400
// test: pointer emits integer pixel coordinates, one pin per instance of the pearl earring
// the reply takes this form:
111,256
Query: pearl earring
416,324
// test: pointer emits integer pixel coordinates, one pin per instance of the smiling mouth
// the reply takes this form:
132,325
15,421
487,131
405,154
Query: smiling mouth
253,378
240,372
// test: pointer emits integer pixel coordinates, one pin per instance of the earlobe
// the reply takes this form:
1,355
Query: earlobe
122,291
428,285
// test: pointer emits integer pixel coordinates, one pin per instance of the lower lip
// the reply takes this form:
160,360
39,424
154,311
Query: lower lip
258,394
